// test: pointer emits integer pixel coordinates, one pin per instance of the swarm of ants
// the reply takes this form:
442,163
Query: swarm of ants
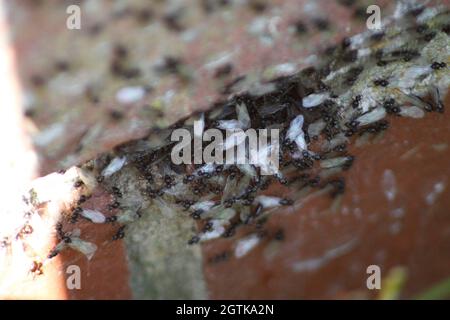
352,92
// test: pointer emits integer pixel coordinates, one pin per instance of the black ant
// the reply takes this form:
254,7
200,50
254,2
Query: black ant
114,205
188,179
116,192
438,65
355,102
282,180
197,214
75,214
229,202
229,232
381,82
119,234
168,180
194,240
59,230
429,36
67,239
248,201
208,226
391,106
111,219
82,199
